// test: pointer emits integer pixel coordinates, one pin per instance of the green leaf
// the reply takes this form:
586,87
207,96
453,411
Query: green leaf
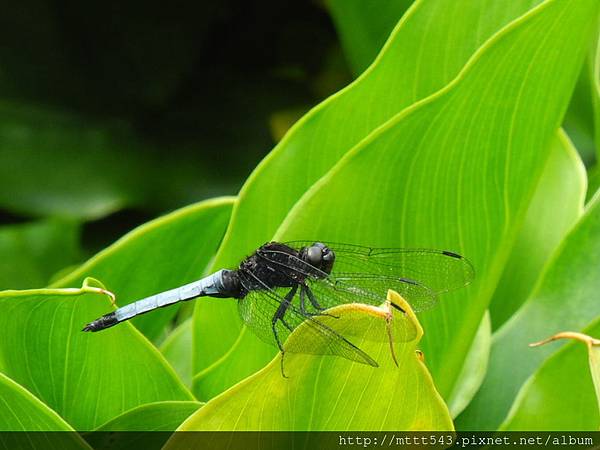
565,297
426,178
363,27
328,131
566,386
474,368
88,378
593,182
594,67
148,418
177,349
21,411
327,393
562,187
165,253
31,253
579,118
157,416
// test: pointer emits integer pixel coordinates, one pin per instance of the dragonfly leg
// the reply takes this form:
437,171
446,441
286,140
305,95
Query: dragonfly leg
283,371
302,300
287,325
303,289
315,303
280,313
313,300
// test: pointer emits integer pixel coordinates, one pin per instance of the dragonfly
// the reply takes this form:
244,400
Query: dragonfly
283,285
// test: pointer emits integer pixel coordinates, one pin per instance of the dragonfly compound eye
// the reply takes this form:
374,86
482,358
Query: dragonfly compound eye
314,256
328,260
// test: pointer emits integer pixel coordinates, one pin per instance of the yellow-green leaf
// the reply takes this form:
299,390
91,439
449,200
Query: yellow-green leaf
327,393
429,177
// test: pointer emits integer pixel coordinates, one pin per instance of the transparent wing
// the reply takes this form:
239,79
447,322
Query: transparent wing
440,270
358,286
258,308
361,288
371,289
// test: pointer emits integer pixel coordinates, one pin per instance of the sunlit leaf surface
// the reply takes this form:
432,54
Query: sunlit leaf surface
562,187
327,393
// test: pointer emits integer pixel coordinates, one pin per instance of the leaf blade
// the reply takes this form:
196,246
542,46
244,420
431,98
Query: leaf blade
43,349
333,393
451,136
159,255
544,313
568,404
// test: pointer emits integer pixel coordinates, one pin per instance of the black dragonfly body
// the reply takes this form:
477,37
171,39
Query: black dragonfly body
282,285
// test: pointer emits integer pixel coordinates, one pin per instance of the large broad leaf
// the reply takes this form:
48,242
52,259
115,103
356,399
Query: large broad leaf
566,387
566,297
410,58
88,378
427,177
562,187
160,255
31,253
326,393
562,184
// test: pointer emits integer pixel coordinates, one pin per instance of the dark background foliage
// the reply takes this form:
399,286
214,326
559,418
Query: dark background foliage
141,108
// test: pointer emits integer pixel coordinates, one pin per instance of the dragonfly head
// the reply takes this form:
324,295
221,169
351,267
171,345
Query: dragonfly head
319,256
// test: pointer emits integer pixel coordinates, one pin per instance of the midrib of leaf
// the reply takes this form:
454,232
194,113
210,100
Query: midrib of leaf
510,230
495,265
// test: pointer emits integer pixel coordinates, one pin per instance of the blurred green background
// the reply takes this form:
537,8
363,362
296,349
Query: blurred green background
112,113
